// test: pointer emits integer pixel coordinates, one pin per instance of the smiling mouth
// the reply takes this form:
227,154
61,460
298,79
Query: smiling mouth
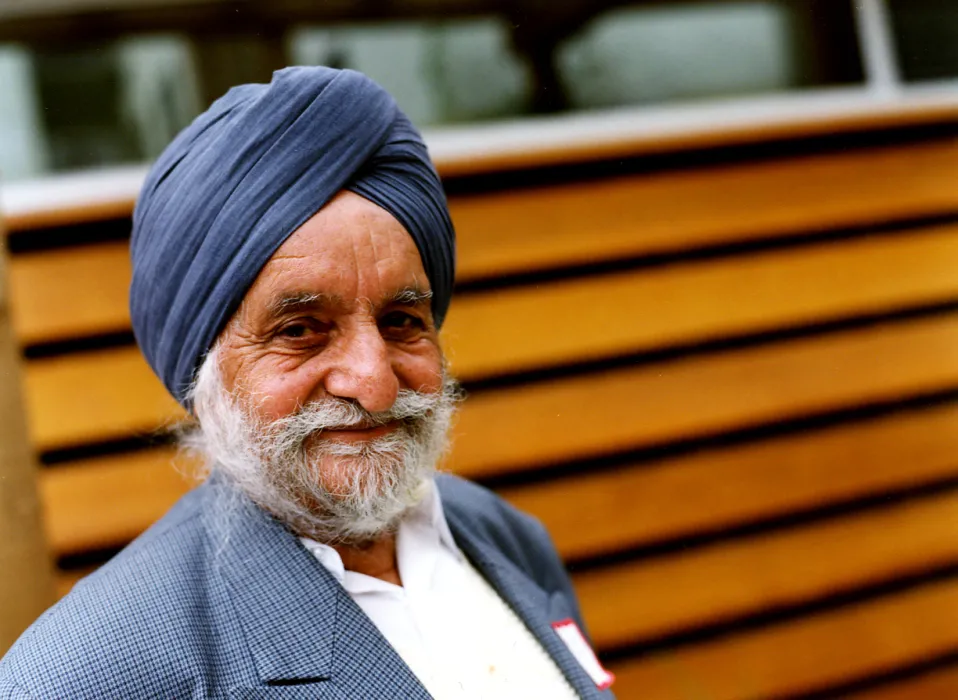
359,432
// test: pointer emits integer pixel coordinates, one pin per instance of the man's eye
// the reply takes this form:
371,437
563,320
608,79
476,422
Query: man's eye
398,322
298,330
295,331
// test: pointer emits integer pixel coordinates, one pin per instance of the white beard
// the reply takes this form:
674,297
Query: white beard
332,491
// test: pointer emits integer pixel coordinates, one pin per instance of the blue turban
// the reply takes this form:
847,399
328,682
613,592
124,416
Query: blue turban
245,175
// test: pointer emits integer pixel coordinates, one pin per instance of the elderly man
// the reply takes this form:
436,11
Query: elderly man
292,263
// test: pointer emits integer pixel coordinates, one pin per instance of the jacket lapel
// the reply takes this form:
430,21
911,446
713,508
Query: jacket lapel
537,608
302,628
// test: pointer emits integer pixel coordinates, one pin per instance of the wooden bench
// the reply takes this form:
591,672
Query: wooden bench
726,385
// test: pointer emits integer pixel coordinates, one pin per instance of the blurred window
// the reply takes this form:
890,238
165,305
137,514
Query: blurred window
926,38
117,95
439,72
94,104
636,55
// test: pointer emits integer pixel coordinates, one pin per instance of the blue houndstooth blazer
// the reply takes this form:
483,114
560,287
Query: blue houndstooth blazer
217,599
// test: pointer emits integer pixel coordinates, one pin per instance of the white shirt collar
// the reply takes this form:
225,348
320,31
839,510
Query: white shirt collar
423,529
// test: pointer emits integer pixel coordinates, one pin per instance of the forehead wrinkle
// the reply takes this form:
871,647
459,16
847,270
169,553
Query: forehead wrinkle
376,245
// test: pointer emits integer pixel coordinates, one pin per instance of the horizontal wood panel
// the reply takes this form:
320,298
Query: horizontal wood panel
107,501
74,399
83,291
718,488
729,580
502,430
803,655
71,292
936,685
650,213
651,502
109,394
597,317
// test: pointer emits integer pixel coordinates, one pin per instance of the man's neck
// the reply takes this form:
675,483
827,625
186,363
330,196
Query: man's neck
377,559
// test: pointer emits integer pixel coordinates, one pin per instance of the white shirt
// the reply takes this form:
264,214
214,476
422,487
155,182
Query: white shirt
446,622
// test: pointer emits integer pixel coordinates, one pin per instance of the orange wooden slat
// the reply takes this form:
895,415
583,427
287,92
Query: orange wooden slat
728,580
642,214
718,488
803,655
107,501
70,292
613,314
503,430
74,399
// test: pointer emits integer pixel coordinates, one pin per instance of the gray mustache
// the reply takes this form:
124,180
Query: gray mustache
336,413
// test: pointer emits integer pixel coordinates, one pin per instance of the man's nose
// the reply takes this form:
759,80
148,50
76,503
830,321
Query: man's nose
361,369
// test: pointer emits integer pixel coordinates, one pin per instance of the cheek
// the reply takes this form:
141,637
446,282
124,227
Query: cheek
421,371
280,393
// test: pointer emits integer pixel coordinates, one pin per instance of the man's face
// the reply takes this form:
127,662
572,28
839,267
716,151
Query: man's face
341,309
325,397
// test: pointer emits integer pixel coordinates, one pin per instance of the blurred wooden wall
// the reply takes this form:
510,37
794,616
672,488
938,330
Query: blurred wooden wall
725,377
26,587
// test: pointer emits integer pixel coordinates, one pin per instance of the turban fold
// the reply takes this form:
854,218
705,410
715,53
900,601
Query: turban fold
233,186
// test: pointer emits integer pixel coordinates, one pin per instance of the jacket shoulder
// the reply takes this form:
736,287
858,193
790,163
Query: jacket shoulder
139,622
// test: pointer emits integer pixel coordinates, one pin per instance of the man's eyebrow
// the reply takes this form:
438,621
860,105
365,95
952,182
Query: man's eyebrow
410,296
300,301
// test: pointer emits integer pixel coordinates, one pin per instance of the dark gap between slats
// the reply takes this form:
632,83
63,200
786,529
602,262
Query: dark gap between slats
87,343
876,681
104,448
771,525
753,622
804,238
654,455
69,235
693,158
87,559
707,346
